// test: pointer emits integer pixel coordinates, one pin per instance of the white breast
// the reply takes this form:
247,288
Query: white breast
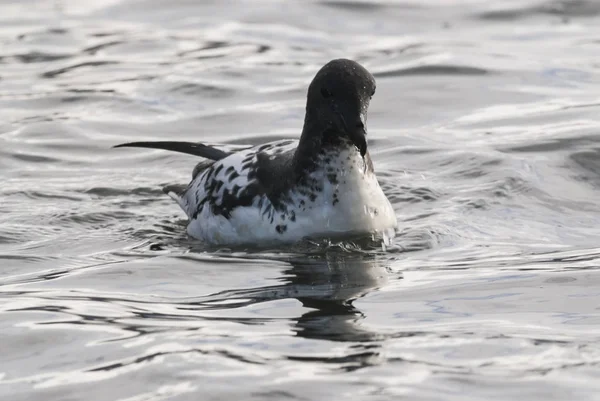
353,203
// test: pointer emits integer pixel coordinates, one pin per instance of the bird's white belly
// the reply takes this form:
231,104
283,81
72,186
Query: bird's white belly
360,206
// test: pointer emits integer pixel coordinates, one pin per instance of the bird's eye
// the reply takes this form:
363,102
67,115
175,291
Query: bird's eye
373,93
325,93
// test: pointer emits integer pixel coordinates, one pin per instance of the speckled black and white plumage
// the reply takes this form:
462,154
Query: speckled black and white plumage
284,191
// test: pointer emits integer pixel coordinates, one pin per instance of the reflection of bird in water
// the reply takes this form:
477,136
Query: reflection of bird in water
328,285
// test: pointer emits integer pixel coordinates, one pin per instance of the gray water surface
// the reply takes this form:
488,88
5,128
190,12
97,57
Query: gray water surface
485,135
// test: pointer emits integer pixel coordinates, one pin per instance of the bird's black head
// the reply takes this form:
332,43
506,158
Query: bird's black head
338,99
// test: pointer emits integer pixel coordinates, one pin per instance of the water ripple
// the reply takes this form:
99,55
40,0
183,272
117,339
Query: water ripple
483,133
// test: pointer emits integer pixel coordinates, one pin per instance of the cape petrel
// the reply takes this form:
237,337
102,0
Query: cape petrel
323,185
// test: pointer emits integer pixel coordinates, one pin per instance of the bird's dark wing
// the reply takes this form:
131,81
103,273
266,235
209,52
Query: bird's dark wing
192,148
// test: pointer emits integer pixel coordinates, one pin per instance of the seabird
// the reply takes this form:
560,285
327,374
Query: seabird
322,186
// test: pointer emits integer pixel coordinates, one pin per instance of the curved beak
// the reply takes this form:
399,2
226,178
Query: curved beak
354,125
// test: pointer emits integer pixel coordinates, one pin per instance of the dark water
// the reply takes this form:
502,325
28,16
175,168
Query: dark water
484,132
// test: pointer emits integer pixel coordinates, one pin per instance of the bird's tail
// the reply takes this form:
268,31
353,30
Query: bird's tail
176,192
